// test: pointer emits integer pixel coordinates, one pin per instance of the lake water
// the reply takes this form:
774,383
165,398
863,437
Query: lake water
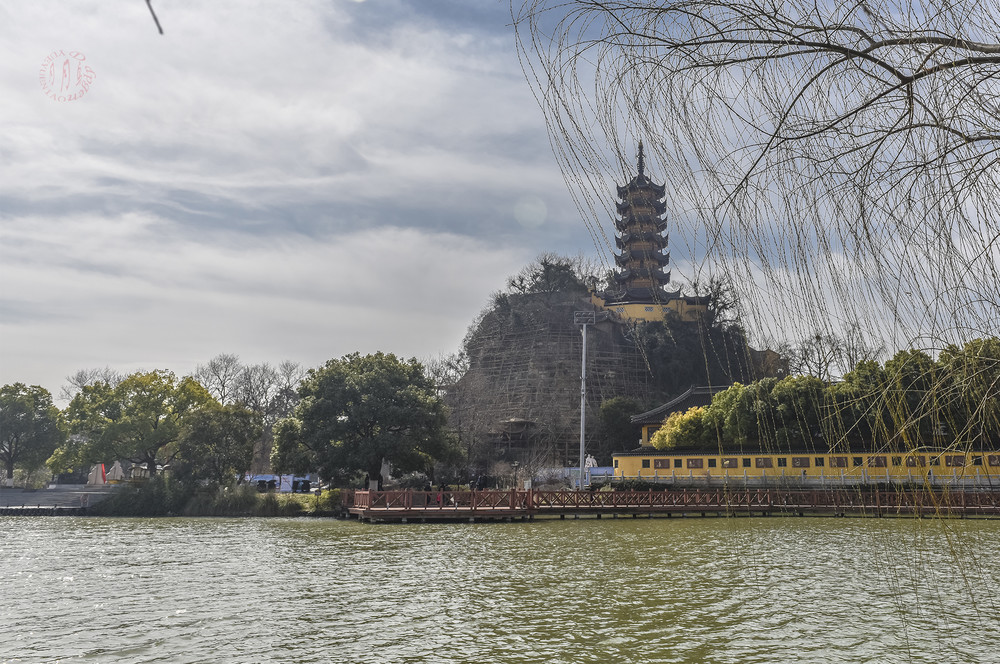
627,590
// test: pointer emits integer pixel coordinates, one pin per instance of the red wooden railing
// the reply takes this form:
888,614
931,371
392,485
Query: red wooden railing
541,501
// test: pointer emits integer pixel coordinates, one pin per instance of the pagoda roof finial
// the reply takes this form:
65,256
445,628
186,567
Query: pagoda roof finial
641,164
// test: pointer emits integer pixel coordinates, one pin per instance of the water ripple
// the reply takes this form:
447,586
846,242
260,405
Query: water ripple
684,590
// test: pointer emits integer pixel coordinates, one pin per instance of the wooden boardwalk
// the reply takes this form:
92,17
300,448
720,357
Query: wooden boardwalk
516,504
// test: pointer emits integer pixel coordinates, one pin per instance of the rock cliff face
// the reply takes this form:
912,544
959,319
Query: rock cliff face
519,399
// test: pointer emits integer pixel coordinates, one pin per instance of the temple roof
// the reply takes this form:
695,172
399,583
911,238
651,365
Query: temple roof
640,181
696,395
632,220
653,255
659,207
652,237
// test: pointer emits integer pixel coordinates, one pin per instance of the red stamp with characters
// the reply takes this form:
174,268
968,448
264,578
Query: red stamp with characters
65,75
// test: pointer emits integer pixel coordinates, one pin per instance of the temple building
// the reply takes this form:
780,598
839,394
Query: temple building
637,291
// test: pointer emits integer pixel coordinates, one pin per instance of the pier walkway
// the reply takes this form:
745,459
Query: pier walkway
60,500
517,504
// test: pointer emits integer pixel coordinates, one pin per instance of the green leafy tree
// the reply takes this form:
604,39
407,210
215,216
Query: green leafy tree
710,351
750,418
911,401
616,432
969,395
682,429
551,273
218,443
359,410
798,410
140,420
721,416
910,397
857,406
29,427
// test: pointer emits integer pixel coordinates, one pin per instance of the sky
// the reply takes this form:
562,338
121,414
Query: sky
283,181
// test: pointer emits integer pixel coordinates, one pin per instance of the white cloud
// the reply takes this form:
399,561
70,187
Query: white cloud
296,180
138,298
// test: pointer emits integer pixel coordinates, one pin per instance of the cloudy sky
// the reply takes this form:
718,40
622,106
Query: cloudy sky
294,180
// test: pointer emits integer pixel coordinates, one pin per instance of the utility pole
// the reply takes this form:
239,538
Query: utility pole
583,318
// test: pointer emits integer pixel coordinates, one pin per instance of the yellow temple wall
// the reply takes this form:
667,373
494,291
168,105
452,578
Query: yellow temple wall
901,465
653,312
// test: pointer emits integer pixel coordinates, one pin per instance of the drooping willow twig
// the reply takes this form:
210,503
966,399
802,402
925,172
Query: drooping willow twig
149,3
836,162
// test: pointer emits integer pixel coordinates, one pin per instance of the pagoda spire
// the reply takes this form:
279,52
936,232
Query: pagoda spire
641,164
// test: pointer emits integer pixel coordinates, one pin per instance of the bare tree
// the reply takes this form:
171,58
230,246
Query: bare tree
220,376
270,392
836,162
857,348
265,390
817,355
84,377
255,388
290,374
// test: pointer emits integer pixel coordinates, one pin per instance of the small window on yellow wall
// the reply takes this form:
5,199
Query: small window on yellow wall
645,463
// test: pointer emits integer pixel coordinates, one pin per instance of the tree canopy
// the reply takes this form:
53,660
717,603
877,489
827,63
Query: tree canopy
140,419
217,444
359,410
29,427
911,401
267,391
681,429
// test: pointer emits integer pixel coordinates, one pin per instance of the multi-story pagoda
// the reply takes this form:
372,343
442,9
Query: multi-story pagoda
638,289
640,275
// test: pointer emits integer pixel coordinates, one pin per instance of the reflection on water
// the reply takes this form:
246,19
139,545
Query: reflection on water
636,590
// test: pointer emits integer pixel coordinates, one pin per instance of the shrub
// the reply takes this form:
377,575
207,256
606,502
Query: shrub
157,496
223,501
327,502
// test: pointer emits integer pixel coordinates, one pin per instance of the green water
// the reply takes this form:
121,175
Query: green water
644,590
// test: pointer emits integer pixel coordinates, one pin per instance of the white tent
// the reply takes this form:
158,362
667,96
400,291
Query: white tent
96,475
116,474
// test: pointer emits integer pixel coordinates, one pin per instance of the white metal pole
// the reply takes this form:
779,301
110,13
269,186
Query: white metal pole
583,403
